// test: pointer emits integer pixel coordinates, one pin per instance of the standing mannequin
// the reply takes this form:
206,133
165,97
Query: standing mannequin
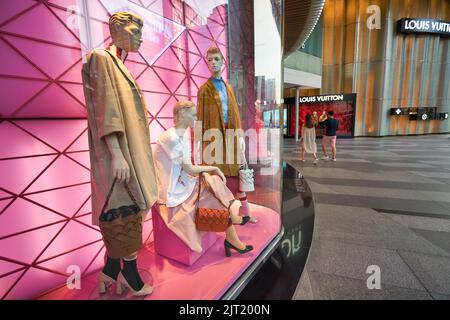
119,145
217,109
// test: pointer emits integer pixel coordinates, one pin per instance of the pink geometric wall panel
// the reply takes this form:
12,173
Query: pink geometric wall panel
27,247
81,158
17,92
57,134
45,206
81,144
24,215
65,200
67,242
52,177
27,283
20,143
9,267
17,174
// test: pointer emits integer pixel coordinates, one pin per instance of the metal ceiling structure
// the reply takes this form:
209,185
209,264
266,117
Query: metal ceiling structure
300,18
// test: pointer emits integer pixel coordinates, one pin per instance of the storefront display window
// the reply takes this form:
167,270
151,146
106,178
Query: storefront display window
45,195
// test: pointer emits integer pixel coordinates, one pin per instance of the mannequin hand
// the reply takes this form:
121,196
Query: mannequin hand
220,174
121,169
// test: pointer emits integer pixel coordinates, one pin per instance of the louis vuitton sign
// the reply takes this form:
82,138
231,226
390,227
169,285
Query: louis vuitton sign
429,26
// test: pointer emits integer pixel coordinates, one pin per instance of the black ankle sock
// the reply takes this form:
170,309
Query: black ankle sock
131,274
112,268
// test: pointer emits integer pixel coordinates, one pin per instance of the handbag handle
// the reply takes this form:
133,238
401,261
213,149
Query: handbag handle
111,191
200,176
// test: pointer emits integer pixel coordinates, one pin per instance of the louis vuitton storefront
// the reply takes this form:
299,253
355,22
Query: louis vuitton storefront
396,57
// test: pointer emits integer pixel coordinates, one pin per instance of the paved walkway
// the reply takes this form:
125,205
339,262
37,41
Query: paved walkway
385,202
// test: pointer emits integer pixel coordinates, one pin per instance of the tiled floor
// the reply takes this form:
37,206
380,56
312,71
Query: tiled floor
384,202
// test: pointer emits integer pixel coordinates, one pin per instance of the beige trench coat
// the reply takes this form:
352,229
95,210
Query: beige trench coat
116,104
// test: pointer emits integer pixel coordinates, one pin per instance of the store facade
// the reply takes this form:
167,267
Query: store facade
389,62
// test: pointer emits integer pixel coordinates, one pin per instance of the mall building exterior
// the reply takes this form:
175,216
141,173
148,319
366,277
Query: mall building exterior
364,51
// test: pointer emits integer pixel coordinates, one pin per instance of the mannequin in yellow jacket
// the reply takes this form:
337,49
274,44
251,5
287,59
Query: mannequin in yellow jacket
217,110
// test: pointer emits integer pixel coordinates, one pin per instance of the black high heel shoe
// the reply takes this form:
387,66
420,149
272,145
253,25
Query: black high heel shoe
228,246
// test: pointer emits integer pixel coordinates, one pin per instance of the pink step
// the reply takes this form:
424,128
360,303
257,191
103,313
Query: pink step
170,246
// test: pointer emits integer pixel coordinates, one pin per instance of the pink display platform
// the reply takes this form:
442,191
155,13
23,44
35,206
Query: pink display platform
167,244
207,279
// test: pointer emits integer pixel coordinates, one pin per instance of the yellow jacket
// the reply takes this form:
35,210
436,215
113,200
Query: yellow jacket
209,111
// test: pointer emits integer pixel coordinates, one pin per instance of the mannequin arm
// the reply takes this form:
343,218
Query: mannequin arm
120,167
194,170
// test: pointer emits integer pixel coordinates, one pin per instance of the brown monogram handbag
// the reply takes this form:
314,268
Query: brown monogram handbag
121,227
213,220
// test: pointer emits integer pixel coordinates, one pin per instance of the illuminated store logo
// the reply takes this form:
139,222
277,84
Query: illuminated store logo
398,111
412,25
423,114
331,97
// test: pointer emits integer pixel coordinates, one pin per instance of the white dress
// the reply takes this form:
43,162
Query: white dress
174,184
178,191
309,139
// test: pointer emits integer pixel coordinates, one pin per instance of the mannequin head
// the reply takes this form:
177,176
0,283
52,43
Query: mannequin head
184,114
215,61
126,30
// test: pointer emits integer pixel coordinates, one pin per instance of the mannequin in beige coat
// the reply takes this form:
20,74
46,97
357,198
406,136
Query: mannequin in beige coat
119,144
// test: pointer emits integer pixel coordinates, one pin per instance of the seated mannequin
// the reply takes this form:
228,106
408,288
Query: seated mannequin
178,184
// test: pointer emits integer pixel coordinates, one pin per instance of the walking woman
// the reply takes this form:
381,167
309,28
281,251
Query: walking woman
309,138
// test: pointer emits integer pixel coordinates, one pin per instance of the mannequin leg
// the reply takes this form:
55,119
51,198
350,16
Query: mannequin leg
112,268
109,274
233,238
234,209
244,210
131,273
242,196
233,185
